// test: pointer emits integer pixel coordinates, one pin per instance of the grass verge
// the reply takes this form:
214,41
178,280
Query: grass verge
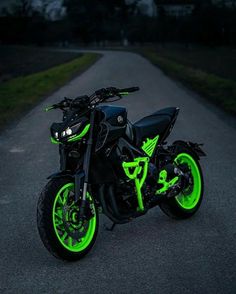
21,94
19,61
218,90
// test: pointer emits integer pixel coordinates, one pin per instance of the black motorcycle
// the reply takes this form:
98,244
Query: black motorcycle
109,165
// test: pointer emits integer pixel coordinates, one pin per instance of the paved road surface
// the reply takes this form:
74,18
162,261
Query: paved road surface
153,254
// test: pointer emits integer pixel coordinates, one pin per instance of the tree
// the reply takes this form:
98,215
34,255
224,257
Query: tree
93,20
23,8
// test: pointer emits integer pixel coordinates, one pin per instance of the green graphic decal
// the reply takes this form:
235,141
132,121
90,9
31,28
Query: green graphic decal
137,171
149,146
189,198
54,141
166,184
81,135
74,235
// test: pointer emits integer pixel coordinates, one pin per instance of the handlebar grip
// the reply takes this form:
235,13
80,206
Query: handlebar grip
54,106
129,90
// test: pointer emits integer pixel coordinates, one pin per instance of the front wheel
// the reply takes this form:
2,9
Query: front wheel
189,200
62,233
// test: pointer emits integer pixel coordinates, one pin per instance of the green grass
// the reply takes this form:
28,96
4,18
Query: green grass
216,89
19,61
220,61
20,94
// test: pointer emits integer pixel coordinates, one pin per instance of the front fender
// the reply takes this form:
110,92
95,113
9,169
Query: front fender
194,147
78,179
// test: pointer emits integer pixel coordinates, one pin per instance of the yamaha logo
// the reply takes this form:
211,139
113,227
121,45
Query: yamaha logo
120,119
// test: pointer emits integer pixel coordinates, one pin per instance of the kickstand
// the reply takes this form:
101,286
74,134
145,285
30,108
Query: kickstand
111,228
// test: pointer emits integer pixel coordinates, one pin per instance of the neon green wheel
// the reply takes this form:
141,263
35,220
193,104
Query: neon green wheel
75,236
63,233
186,203
190,197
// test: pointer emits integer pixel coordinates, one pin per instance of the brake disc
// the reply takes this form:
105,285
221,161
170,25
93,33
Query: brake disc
75,228
189,189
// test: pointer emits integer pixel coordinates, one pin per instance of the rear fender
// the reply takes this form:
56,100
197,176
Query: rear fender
194,147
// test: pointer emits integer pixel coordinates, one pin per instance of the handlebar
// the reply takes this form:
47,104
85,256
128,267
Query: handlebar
129,90
99,96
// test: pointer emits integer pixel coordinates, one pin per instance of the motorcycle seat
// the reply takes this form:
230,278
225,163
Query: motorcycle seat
154,124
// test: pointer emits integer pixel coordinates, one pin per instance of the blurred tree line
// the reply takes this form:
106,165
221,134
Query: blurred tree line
92,21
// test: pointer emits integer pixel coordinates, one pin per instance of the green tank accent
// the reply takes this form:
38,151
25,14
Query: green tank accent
149,146
137,171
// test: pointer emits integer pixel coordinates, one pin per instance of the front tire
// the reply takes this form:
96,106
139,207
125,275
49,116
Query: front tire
61,232
187,203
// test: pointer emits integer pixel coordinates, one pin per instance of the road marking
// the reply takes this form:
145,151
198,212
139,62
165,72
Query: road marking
4,201
16,150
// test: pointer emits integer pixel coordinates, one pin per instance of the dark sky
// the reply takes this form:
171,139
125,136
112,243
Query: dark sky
7,3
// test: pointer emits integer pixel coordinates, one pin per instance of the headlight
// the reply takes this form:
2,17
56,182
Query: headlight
71,130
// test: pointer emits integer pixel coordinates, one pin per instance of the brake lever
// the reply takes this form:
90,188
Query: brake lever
49,108
123,94
64,103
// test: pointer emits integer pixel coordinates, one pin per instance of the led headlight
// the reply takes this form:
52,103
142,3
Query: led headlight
56,135
70,130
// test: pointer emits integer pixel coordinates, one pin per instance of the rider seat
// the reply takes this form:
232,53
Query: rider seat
157,123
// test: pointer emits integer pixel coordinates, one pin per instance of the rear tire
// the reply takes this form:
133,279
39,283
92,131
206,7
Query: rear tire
184,206
52,222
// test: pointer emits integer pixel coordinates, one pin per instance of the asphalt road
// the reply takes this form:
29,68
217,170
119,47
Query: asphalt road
152,254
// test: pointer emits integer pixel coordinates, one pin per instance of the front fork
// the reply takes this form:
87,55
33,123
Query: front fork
86,165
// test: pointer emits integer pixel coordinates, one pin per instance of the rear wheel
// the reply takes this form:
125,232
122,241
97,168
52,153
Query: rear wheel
189,200
63,234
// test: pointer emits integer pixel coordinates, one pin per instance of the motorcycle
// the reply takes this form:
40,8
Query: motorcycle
109,165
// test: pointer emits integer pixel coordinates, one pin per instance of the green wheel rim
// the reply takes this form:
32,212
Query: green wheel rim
67,241
190,200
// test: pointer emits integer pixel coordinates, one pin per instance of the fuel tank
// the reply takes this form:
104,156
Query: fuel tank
114,115
113,121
